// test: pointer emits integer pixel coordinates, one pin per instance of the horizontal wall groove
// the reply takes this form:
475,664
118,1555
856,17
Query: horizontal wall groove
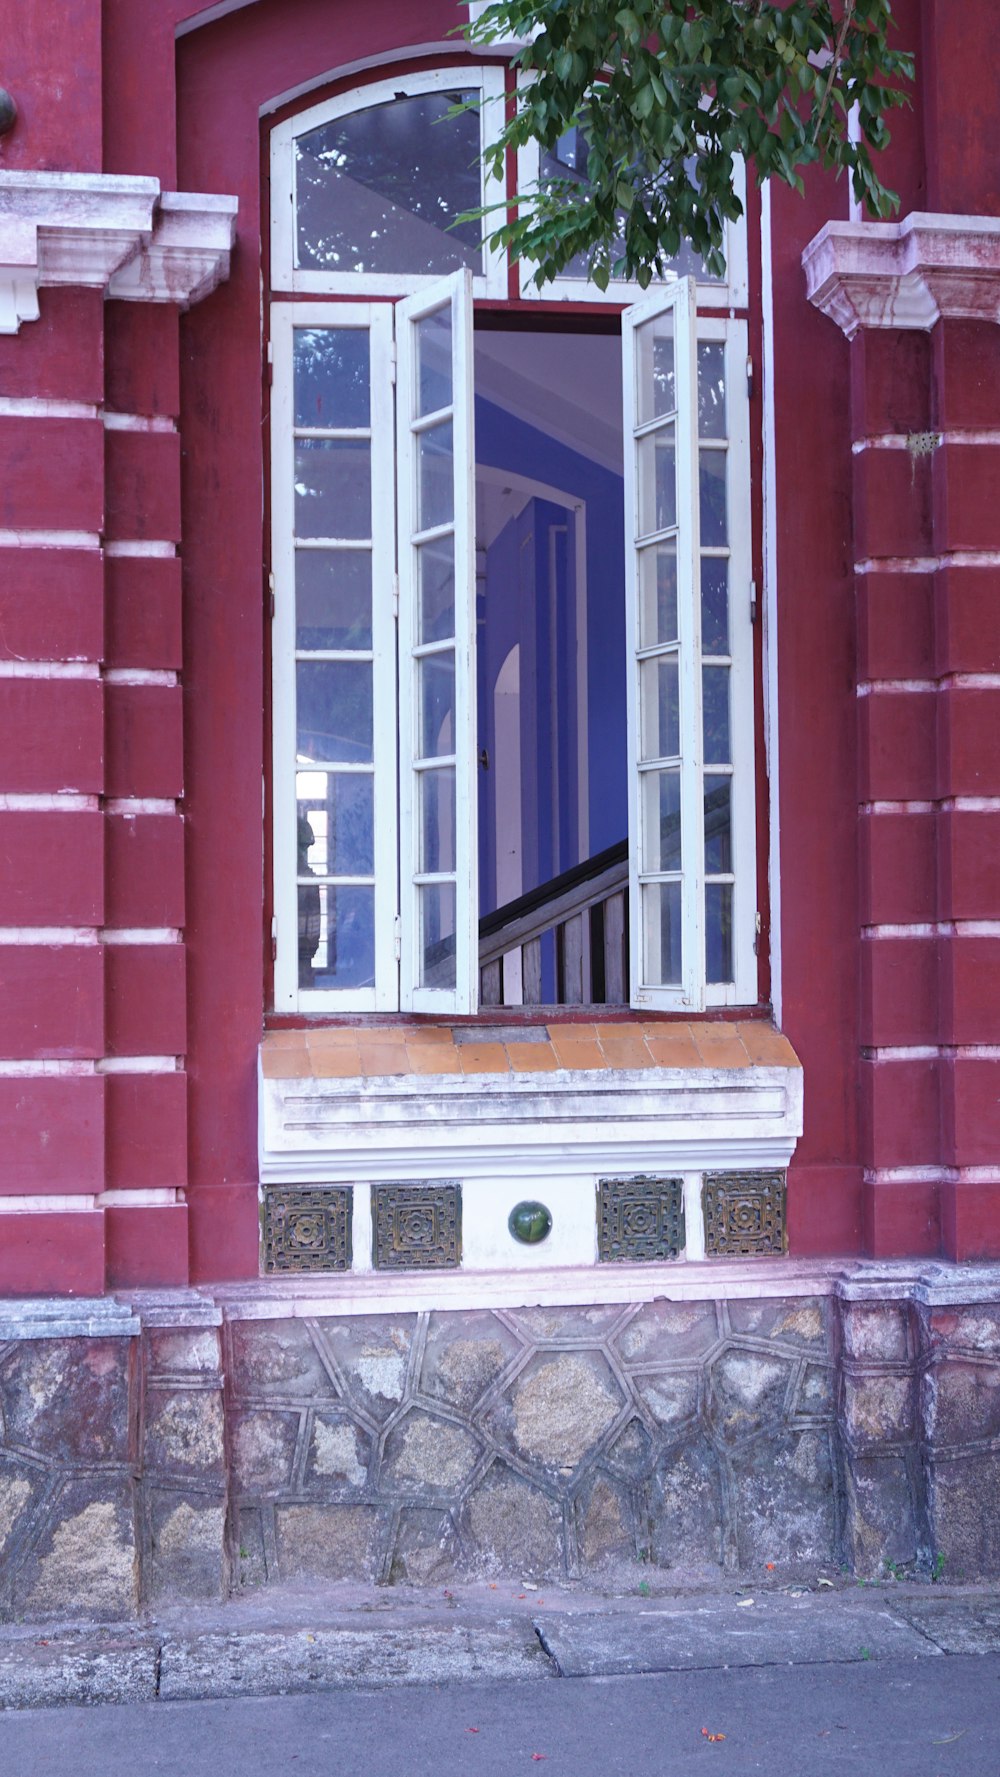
49,540
49,669
140,675
137,546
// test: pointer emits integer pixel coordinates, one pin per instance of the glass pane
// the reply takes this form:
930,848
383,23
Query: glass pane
434,361
436,706
379,190
336,936
711,390
435,477
657,595
437,820
714,604
712,495
655,392
661,820
715,714
661,933
657,474
333,487
436,956
567,161
332,376
659,706
333,598
334,711
339,814
718,826
718,931
436,583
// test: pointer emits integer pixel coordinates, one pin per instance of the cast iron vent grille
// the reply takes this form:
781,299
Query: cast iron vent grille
307,1230
417,1227
639,1218
744,1213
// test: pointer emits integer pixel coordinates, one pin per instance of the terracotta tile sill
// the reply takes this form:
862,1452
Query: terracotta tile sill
381,1052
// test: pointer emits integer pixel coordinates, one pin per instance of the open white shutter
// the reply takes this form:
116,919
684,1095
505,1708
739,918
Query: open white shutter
439,901
666,827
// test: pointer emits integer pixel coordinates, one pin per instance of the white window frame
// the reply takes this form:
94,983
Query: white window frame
732,292
396,973
376,319
286,275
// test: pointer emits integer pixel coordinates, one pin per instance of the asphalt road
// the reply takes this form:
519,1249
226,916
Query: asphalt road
891,1717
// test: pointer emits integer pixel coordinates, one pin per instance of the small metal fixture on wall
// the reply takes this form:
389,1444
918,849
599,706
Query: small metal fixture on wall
8,111
744,1213
307,1229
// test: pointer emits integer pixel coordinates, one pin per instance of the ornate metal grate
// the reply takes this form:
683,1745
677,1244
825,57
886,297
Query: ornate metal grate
307,1229
744,1213
639,1218
417,1227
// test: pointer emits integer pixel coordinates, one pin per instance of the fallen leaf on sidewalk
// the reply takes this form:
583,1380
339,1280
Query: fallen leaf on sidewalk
538,1755
949,1738
472,1730
822,1582
741,1603
709,1736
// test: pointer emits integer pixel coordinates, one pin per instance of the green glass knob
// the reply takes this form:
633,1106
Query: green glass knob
530,1222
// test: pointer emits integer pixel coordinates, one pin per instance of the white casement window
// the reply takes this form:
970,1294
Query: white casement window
573,509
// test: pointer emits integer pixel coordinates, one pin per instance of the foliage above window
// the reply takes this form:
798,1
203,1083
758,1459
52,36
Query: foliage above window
668,94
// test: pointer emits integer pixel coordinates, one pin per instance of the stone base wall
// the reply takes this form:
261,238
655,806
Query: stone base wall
174,1449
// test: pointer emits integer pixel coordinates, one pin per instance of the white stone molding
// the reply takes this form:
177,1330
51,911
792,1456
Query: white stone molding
108,232
907,274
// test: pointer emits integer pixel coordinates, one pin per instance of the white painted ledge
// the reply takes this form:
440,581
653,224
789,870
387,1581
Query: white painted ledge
108,232
908,274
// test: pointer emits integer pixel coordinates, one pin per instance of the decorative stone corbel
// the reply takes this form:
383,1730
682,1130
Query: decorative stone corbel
108,232
906,274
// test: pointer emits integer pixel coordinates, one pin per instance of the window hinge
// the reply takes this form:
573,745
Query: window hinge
270,592
753,601
274,940
756,933
395,595
397,937
749,375
392,361
270,361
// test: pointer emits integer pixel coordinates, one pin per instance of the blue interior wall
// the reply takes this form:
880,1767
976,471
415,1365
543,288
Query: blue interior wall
517,565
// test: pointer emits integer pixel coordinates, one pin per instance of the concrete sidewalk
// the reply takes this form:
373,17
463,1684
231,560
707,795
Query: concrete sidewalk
342,1637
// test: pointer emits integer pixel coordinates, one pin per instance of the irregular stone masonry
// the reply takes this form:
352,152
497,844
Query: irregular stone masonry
542,1443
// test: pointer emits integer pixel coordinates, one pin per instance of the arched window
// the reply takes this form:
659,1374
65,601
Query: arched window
452,483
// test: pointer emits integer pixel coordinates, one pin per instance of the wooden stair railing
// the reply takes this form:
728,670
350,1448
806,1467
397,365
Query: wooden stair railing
586,911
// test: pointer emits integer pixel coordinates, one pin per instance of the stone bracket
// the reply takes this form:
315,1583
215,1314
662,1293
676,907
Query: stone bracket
906,275
114,233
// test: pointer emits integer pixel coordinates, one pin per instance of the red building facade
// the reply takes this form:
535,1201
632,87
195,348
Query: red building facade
147,1068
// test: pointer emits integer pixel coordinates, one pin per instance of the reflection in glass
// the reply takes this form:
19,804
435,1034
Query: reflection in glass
435,477
712,498
657,595
659,706
661,932
711,389
336,935
715,714
654,369
568,161
714,604
332,377
657,482
333,598
661,820
436,957
437,820
334,711
718,931
436,582
436,706
333,487
718,826
434,361
379,190
342,821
